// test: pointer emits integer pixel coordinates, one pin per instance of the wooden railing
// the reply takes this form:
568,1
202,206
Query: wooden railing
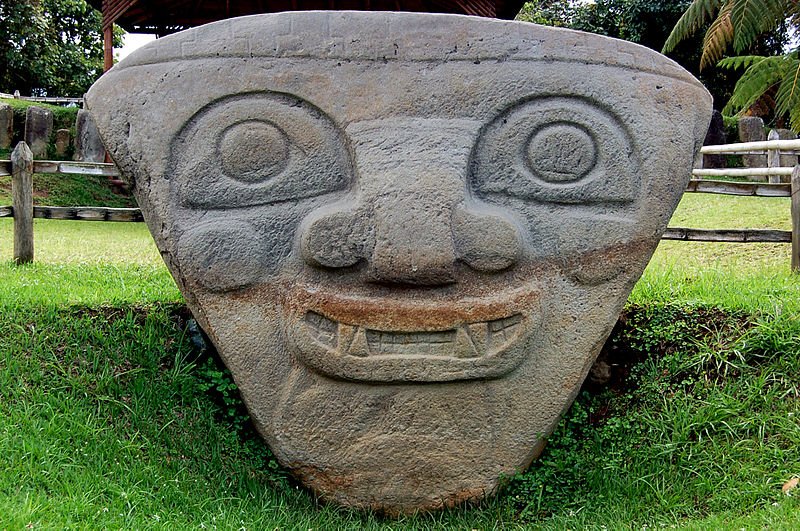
55,100
22,167
774,172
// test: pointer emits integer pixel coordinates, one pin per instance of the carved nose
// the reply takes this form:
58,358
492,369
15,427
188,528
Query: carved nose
413,240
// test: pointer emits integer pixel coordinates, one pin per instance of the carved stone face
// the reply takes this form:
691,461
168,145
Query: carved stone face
407,235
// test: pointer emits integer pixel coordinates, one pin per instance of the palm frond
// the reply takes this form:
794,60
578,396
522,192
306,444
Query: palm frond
750,18
717,38
696,15
759,77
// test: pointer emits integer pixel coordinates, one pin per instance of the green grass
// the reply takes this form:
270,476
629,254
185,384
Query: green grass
110,419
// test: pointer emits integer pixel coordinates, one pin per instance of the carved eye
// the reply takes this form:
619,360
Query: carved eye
556,149
258,149
253,151
561,152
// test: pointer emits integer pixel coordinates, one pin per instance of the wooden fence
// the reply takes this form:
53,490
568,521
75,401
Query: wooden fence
22,166
55,100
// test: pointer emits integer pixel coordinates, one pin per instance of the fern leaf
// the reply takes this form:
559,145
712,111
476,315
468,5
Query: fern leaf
695,16
739,61
788,95
750,18
759,77
794,118
717,38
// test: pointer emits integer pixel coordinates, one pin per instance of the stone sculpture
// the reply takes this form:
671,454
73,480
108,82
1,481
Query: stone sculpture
408,235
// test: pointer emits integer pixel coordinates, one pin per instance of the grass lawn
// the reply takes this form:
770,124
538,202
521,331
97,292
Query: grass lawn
109,417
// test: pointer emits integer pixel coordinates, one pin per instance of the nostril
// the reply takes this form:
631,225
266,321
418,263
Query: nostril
485,241
333,240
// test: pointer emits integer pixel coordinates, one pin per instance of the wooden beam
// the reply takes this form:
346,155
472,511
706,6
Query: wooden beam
740,172
746,147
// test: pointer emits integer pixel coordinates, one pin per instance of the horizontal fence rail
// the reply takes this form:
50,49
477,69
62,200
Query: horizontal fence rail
80,213
57,100
64,166
728,235
774,148
703,186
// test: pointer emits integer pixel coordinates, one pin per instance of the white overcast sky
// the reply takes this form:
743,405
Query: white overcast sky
131,41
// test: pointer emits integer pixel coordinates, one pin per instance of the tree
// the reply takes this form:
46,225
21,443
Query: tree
738,24
645,22
50,47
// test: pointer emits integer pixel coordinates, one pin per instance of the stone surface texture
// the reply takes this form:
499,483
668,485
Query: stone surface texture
62,141
88,144
787,161
751,129
38,128
714,137
6,125
408,235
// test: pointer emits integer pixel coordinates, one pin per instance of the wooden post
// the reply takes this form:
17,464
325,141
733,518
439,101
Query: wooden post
774,158
22,201
796,219
108,47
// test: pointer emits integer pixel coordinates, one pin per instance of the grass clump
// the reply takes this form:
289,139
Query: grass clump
104,421
701,420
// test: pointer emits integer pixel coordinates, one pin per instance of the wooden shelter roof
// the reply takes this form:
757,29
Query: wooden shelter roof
168,16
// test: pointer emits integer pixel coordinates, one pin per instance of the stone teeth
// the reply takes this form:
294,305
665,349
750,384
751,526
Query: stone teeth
479,334
502,331
502,324
411,343
357,344
465,347
468,341
323,329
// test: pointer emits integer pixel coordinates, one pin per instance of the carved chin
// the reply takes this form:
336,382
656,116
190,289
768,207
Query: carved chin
465,351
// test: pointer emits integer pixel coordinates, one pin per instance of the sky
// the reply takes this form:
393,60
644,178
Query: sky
130,42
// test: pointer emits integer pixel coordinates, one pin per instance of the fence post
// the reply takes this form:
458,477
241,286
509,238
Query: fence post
22,201
774,158
796,219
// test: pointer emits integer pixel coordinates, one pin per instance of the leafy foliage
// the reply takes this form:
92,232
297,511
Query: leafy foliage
765,74
49,47
647,22
738,24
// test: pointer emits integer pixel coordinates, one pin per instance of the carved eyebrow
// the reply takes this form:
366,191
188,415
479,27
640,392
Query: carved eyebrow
313,145
519,153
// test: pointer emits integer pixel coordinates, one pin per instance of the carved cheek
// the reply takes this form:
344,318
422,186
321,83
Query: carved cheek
222,256
486,241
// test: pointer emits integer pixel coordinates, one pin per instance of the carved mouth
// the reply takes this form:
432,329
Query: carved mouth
467,341
485,349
